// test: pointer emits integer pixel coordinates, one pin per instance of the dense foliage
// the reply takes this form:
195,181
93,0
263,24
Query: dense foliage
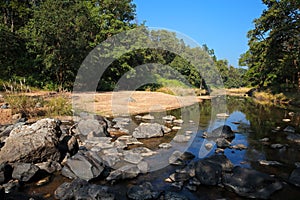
45,42
274,47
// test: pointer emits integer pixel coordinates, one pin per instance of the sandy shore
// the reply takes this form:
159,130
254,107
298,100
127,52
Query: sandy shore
131,102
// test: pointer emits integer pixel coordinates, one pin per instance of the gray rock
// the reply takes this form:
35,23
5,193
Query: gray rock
221,160
276,146
11,186
32,144
24,171
169,118
147,117
289,129
132,157
165,145
294,137
120,122
269,163
142,192
181,138
148,130
222,143
81,189
84,165
223,131
208,173
143,151
295,177
125,172
143,166
178,121
49,166
98,127
179,158
251,183
174,196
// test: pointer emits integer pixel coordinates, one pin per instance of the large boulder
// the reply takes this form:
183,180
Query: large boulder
251,183
32,143
81,189
148,130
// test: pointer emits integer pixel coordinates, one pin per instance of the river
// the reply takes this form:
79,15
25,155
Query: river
250,120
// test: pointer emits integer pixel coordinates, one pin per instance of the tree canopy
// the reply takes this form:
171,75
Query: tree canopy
274,46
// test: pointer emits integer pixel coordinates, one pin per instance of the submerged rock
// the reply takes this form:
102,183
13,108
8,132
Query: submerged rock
80,189
295,177
294,137
144,191
251,183
35,143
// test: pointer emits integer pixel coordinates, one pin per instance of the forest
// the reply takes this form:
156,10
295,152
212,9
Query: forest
44,43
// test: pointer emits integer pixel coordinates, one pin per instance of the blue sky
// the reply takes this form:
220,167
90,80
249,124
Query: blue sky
221,24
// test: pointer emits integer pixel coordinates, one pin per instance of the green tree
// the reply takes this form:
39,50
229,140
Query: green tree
274,46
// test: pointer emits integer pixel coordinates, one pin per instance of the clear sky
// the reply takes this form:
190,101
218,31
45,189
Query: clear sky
221,24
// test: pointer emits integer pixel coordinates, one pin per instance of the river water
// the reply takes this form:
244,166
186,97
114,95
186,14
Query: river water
251,122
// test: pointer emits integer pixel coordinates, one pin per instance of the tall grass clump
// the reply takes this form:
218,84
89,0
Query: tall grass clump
58,106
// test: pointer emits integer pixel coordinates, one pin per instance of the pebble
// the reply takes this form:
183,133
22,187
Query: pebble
209,146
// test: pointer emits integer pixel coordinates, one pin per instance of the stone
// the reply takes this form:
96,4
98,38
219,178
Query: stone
178,121
264,140
208,173
269,163
143,166
209,146
176,128
84,165
98,127
238,147
294,137
169,118
223,131
143,151
81,189
147,117
32,143
221,160
148,130
222,115
251,183
179,158
24,171
165,145
125,172
144,191
289,129
132,157
181,138
49,166
276,146
174,196
68,144
11,186
222,143
295,177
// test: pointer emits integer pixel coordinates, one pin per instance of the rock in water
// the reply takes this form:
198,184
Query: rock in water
148,130
32,144
142,192
81,189
223,131
251,183
295,177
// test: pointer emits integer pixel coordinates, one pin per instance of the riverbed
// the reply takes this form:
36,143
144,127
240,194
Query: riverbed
252,124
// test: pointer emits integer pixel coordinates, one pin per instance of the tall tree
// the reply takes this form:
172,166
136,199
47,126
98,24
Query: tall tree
274,46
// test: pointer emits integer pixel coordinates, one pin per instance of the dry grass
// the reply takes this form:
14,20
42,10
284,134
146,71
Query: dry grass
267,97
